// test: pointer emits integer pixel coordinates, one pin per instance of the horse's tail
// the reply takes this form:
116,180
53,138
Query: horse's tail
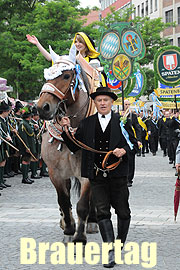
77,186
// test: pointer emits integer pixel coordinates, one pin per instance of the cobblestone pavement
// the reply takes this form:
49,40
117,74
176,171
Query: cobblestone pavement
31,211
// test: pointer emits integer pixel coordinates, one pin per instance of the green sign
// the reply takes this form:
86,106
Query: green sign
167,65
121,67
121,47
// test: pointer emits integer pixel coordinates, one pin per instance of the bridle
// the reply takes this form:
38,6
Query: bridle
62,96
59,113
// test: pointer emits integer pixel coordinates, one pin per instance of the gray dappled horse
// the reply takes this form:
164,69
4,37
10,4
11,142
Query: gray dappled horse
66,91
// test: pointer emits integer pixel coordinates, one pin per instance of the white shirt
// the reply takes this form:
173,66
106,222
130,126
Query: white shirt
104,121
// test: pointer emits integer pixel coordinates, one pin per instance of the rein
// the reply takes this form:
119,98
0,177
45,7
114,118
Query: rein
52,89
88,148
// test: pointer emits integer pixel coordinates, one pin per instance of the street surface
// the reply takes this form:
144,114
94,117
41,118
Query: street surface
32,211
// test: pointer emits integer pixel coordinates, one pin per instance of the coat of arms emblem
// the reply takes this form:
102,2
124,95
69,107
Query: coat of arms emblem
170,61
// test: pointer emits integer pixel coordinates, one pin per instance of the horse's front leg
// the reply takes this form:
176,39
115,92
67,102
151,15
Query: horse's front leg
82,212
68,188
65,208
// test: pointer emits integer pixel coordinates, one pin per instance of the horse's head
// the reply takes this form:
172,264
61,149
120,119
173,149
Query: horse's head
59,91
53,92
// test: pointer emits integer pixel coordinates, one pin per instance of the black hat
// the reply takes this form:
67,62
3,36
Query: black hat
4,107
34,110
26,111
18,106
104,91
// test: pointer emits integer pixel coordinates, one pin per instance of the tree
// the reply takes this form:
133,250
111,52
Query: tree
151,32
53,22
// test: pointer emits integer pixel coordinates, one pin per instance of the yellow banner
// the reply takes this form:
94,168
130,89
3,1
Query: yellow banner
170,105
118,101
168,91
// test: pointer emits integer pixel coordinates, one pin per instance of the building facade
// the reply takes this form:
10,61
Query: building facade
150,8
169,10
117,4
171,13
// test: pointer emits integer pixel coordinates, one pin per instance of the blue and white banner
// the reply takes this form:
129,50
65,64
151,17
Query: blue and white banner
139,84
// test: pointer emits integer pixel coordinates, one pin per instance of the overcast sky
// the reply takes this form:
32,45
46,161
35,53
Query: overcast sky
90,3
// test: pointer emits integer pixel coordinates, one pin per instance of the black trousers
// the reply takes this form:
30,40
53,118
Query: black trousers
153,143
110,192
131,164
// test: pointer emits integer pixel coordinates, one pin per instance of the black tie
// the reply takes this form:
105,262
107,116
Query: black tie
103,116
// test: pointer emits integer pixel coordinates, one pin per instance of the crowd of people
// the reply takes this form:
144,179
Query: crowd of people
20,143
135,134
163,131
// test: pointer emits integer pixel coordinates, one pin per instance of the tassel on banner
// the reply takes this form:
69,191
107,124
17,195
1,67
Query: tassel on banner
59,147
51,140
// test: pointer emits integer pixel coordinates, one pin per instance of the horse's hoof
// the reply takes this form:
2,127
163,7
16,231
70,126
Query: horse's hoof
70,230
67,239
92,228
80,239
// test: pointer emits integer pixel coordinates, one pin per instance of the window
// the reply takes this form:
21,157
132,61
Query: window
103,5
142,10
146,7
178,15
138,10
171,41
106,3
151,6
135,12
169,16
178,41
155,8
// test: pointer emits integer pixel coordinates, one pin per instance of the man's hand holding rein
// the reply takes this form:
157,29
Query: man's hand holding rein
65,123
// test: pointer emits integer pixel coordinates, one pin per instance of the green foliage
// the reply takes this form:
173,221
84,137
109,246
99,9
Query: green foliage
121,15
151,32
53,23
150,80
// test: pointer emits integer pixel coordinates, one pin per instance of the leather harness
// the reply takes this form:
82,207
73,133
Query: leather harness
52,89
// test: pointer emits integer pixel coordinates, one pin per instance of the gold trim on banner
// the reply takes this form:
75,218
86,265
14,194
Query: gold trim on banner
170,105
168,91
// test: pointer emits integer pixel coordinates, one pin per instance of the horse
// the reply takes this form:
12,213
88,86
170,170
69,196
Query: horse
66,92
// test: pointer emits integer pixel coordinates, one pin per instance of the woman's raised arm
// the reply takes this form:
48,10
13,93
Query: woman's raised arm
33,39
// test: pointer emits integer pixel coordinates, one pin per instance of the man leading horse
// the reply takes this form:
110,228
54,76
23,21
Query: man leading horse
105,131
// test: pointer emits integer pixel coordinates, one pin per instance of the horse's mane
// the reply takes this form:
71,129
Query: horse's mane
85,79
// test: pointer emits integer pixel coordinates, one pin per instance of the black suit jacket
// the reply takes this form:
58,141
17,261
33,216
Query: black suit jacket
86,134
135,124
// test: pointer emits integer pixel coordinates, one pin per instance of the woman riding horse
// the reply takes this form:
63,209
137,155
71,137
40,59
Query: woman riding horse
66,91
85,46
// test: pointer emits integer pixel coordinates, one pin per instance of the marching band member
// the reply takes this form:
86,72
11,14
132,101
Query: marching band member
137,130
4,147
29,146
36,128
